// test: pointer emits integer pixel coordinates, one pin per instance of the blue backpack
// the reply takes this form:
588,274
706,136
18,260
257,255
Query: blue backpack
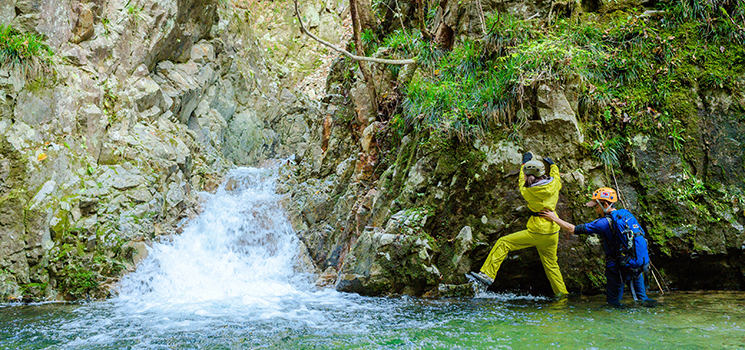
628,242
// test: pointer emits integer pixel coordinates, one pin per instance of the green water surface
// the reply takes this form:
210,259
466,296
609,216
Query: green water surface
682,320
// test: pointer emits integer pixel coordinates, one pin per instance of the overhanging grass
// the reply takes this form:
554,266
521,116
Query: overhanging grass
24,53
636,71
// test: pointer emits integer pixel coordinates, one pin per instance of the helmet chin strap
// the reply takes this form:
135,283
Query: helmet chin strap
605,209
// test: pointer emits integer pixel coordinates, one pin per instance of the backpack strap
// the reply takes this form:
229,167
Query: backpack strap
616,244
613,238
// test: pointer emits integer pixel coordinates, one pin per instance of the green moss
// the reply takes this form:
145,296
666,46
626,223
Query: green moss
79,271
681,104
715,20
78,281
405,160
109,103
597,280
433,243
33,289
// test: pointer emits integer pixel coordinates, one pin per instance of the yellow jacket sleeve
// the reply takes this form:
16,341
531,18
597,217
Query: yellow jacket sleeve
554,172
521,179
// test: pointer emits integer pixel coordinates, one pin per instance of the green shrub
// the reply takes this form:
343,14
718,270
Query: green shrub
77,280
506,32
634,71
24,53
606,151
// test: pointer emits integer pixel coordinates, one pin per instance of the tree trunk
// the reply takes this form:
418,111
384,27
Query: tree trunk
357,28
422,20
365,14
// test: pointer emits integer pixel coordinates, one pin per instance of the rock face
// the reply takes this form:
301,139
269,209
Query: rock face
390,211
434,211
149,103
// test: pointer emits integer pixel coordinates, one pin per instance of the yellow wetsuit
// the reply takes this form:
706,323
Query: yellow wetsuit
543,234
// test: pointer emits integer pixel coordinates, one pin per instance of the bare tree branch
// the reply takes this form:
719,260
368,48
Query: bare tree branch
345,52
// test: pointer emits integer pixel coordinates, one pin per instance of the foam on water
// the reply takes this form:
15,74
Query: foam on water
236,257
481,293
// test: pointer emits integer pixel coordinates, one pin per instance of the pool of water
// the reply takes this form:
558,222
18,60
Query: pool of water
330,320
230,281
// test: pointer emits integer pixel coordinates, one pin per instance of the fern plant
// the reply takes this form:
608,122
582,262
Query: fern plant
606,151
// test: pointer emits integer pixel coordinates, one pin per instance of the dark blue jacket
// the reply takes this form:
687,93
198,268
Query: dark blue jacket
601,228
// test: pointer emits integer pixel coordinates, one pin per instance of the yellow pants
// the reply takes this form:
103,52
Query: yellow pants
546,246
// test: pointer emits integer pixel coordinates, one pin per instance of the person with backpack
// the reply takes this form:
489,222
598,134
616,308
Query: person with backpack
541,191
626,255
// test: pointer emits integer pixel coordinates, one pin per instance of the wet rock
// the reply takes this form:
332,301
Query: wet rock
19,266
386,261
139,252
327,278
106,138
353,283
462,244
456,290
303,264
12,229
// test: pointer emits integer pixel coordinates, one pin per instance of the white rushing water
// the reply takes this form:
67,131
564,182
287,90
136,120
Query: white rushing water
235,258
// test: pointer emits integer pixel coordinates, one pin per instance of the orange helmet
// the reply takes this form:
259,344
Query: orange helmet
603,193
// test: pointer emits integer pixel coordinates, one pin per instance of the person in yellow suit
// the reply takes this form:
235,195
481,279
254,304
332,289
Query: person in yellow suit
541,192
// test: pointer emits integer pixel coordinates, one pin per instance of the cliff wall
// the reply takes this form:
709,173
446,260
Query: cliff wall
388,204
139,106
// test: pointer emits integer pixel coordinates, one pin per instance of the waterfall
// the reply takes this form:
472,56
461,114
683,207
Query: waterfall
238,254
